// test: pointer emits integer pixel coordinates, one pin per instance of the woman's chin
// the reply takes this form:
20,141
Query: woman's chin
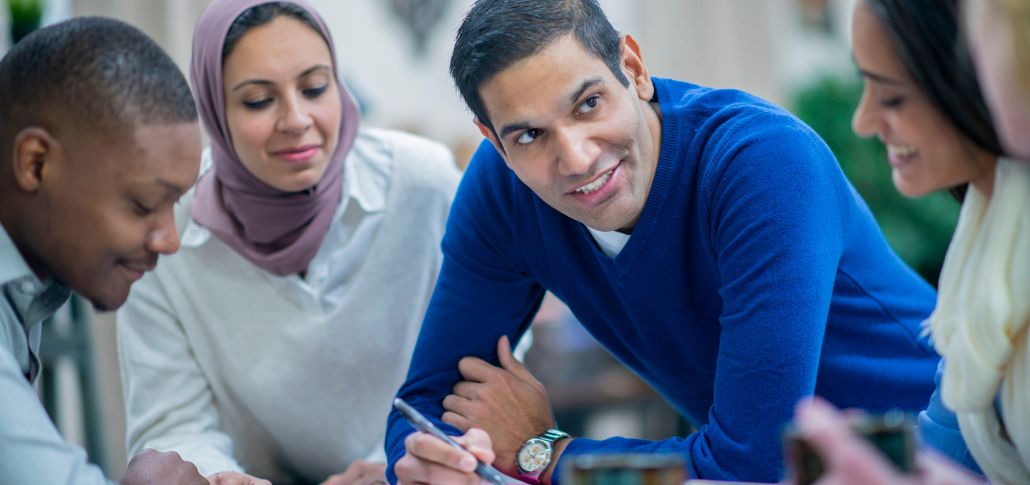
910,188
297,181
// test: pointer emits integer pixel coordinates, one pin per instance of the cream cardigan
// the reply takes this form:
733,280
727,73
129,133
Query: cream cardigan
238,369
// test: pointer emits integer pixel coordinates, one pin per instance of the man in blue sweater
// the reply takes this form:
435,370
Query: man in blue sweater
706,238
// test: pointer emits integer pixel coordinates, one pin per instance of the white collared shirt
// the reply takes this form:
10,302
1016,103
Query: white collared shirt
238,369
31,449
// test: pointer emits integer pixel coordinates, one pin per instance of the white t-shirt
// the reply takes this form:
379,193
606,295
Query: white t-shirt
610,242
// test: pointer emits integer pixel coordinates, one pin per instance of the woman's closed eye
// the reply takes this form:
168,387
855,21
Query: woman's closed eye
312,93
892,103
256,105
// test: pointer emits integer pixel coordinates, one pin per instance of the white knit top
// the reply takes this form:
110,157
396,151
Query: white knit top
290,379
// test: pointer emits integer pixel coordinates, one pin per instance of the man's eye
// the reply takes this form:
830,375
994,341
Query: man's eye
588,105
257,104
527,136
142,209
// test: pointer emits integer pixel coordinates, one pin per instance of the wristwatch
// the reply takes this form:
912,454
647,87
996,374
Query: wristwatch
535,455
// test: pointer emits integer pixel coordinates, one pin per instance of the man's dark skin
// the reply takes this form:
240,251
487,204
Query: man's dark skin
93,210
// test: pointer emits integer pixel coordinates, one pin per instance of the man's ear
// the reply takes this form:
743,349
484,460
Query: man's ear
634,68
489,134
35,151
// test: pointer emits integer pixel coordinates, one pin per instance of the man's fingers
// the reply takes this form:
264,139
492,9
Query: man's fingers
474,369
511,364
432,449
458,405
456,420
467,390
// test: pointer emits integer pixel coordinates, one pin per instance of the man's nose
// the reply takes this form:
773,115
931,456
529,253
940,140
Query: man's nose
576,152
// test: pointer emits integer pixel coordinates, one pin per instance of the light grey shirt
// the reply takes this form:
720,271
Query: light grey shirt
31,449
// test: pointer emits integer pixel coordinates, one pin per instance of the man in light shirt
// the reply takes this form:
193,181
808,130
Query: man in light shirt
98,139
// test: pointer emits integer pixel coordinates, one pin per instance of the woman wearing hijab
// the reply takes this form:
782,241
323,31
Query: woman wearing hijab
981,323
272,344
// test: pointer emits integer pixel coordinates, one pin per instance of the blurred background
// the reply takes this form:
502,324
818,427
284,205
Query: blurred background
394,55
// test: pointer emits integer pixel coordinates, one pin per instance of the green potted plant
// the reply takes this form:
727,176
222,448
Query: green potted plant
26,16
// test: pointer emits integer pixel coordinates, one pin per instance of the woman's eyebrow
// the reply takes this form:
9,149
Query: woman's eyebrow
313,69
265,82
878,77
262,82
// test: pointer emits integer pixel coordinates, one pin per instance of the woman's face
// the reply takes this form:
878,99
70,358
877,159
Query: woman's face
282,104
991,45
925,151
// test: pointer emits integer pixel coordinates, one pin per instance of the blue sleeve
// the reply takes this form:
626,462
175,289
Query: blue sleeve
774,197
938,428
482,293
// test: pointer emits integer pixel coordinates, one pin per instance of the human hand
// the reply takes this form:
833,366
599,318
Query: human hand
168,468
428,459
359,472
850,459
507,402
233,478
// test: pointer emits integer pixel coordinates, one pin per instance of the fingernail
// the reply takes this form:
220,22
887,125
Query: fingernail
467,463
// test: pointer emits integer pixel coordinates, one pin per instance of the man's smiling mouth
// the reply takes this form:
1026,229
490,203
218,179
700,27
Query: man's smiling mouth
597,184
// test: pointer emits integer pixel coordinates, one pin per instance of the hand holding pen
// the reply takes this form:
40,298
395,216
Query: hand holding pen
433,457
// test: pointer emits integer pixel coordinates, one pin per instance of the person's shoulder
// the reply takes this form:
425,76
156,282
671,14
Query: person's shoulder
679,95
719,113
417,161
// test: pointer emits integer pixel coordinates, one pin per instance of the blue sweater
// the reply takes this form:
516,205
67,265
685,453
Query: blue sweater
755,276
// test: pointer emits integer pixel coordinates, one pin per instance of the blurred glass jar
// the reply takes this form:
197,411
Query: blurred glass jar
626,469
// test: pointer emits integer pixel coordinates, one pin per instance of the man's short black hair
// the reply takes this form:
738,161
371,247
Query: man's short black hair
497,33
90,74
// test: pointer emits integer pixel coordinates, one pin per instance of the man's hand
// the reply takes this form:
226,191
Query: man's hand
429,460
850,459
507,402
150,467
359,472
233,478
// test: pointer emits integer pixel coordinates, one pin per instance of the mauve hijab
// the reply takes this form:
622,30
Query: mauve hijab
276,230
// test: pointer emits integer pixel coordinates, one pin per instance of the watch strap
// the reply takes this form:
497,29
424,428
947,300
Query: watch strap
553,435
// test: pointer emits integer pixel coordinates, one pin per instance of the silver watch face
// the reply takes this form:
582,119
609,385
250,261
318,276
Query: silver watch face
534,455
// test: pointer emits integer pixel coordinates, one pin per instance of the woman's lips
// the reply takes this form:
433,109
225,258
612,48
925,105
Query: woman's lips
900,155
298,155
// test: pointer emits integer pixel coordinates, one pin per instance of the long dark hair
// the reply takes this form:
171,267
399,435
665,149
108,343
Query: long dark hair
263,14
926,36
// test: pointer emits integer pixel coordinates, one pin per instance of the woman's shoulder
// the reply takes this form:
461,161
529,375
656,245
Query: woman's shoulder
414,161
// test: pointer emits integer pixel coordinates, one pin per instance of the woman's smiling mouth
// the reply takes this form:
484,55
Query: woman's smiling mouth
299,154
